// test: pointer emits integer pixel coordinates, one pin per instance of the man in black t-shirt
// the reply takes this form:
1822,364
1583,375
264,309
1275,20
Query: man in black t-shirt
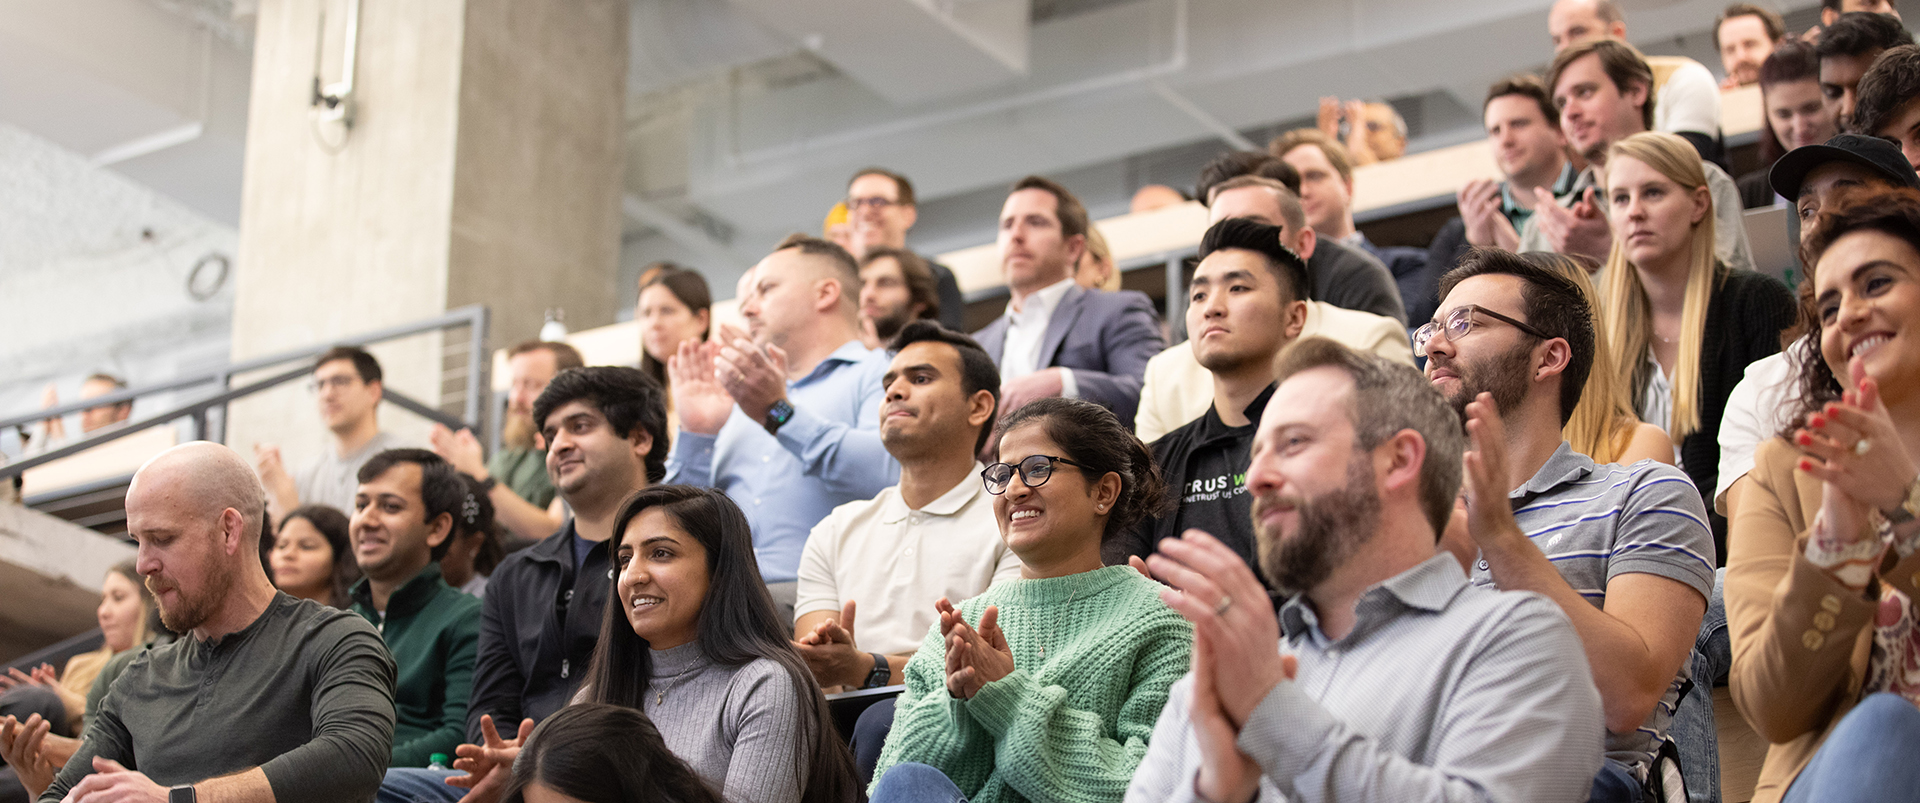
1247,301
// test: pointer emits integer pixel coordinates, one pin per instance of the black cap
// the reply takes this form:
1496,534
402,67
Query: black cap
1873,153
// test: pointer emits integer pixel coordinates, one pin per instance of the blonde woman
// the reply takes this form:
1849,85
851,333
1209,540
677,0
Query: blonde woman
1682,326
1604,426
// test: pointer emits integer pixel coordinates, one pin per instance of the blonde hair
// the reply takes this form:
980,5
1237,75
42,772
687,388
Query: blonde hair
1602,424
1627,311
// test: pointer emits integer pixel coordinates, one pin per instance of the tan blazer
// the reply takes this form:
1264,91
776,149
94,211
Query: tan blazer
1801,640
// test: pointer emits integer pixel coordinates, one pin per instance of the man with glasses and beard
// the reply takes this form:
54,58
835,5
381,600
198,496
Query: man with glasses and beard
1623,550
1396,679
268,698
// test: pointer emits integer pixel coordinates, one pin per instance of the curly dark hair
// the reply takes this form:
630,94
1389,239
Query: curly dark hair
1893,211
628,398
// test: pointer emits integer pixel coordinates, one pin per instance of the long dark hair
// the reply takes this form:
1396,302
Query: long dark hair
1792,60
687,286
1093,438
737,625
603,753
1894,211
332,525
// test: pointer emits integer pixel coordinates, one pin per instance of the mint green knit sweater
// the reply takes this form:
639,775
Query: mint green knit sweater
1071,727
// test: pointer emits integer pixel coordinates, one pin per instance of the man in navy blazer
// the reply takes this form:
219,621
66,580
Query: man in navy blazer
1056,338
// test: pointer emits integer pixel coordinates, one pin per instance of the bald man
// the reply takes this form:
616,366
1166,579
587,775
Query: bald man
269,698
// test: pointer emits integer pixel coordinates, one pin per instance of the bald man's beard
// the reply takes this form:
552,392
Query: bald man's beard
517,432
1329,530
193,607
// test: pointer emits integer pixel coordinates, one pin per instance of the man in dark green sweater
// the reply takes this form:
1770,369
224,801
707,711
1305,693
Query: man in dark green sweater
402,525
267,698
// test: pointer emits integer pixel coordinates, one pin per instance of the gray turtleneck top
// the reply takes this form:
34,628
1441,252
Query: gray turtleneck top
734,725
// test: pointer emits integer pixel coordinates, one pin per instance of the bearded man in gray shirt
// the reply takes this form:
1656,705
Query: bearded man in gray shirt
268,699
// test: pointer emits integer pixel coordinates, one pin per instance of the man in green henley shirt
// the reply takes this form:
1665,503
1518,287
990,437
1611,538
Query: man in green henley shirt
267,699
402,526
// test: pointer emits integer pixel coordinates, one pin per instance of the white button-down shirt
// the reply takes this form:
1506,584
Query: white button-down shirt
895,562
1027,330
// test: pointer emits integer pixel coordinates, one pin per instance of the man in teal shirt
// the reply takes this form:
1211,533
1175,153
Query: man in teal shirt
402,522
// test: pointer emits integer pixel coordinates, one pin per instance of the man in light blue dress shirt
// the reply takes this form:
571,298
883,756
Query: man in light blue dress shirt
785,417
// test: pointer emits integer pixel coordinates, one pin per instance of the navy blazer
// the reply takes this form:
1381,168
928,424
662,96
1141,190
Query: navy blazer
1105,338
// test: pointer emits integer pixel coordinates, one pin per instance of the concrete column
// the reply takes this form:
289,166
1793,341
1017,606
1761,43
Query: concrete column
482,166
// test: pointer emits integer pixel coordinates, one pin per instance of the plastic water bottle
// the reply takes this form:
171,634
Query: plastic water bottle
437,761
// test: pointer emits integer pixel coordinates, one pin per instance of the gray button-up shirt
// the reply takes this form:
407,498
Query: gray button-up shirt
1442,691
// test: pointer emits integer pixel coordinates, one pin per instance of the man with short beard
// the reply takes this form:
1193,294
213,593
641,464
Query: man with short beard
267,699
896,288
1397,680
516,476
1625,551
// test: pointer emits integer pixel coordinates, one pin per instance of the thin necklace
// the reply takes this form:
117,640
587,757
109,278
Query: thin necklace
1054,628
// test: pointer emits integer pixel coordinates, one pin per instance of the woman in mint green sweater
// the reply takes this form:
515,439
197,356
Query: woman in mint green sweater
1045,688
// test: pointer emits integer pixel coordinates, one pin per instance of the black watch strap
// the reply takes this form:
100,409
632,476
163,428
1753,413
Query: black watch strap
881,672
777,416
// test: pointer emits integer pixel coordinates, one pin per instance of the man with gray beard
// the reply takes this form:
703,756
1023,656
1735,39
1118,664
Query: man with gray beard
1623,550
1387,676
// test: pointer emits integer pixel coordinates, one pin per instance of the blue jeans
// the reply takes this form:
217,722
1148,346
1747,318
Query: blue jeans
869,735
1616,784
1869,756
1692,730
916,783
410,785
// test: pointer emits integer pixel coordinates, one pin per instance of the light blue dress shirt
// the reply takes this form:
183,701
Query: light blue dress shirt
828,454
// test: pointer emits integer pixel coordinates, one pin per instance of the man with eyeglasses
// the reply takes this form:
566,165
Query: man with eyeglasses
1246,302
881,207
347,384
1623,550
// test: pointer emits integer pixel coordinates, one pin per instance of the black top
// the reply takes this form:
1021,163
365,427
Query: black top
305,693
953,306
1744,319
1348,277
537,630
1755,192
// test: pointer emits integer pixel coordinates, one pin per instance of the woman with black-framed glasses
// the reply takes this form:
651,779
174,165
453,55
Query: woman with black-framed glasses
1047,687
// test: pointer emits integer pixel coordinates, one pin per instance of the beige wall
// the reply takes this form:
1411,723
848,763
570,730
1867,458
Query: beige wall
482,167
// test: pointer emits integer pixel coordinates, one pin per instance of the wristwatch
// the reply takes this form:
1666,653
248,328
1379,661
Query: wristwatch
1908,508
881,672
778,415
181,794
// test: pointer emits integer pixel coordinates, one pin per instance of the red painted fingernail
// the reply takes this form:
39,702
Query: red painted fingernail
1818,420
1806,465
1804,439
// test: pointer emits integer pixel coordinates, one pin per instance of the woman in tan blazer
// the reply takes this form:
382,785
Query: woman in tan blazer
1822,566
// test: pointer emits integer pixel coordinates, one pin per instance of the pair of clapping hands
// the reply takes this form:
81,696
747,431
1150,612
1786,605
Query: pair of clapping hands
709,377
1854,447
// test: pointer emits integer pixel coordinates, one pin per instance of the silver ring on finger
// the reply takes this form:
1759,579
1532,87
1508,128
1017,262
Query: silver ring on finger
1220,608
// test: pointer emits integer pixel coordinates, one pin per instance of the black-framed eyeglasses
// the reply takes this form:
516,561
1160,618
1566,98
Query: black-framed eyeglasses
1459,323
877,202
1035,470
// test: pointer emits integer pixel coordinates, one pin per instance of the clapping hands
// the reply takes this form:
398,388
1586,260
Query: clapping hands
975,656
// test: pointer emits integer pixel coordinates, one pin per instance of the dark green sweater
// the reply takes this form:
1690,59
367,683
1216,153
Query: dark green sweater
432,631
305,693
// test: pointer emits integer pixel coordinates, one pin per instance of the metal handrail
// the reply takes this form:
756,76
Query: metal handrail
472,316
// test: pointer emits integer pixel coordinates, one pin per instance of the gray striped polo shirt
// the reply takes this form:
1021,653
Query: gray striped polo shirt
1596,522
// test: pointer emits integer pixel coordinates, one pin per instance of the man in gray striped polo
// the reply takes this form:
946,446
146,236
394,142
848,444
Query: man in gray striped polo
1624,550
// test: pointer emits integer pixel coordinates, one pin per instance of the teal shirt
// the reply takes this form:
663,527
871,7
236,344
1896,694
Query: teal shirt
523,471
432,630
1069,727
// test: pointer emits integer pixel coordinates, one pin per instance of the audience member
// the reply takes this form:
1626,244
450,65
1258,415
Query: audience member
1057,339
1044,688
1683,324
312,557
1178,389
676,306
402,525
1375,132
1830,10
895,289
1602,89
347,384
1155,196
53,431
605,429
1523,128
1234,164
476,549
1604,425
883,209
787,423
1821,582
1682,97
598,753
1744,35
1761,405
1326,195
1397,680
1095,270
929,536
516,475
836,229
1797,115
1631,558
1244,304
1888,104
290,700
1846,50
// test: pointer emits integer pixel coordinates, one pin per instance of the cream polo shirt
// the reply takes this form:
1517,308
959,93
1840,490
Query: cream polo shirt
895,562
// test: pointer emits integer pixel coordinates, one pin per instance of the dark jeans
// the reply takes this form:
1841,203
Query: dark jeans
869,735
1616,784
411,785
1869,756
916,783
22,702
